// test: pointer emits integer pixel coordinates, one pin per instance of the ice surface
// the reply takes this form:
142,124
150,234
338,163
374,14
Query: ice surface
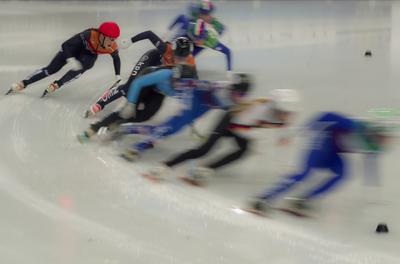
62,202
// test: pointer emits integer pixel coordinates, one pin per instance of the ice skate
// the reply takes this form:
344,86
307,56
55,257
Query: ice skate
157,173
85,136
51,88
199,176
94,108
259,206
299,207
130,154
16,87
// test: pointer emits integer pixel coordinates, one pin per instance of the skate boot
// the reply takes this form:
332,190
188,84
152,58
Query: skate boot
16,87
259,206
117,132
131,154
94,108
199,176
158,172
300,206
85,136
51,88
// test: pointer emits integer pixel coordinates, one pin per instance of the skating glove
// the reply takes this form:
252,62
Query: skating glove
74,64
118,78
128,111
125,43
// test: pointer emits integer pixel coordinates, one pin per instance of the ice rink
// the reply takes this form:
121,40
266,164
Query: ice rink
64,202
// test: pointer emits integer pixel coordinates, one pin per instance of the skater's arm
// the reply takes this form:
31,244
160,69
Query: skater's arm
157,41
154,78
181,19
117,62
219,27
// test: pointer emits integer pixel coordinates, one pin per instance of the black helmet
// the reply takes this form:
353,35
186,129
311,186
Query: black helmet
182,47
241,82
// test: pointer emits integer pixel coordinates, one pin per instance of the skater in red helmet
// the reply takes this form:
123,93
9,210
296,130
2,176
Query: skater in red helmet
80,53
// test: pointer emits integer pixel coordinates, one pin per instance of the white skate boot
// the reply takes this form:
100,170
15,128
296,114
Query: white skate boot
16,87
199,176
299,207
259,206
51,88
130,154
158,172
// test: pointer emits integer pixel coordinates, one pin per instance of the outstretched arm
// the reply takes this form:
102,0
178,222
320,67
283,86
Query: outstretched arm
181,19
116,62
150,35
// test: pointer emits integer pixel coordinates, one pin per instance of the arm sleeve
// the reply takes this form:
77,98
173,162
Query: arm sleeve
181,19
157,41
158,78
117,62
219,27
76,42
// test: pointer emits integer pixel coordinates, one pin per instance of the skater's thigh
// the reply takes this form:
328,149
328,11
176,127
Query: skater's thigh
87,60
57,63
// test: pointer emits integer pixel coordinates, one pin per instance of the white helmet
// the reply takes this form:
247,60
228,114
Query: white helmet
285,99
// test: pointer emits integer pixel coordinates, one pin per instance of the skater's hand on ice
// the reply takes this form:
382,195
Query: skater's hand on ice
128,111
74,64
124,43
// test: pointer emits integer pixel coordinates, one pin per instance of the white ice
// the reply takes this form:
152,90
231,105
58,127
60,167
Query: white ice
63,202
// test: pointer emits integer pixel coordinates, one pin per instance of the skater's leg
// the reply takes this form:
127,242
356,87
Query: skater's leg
291,180
54,66
203,149
87,60
150,102
242,143
339,175
112,119
194,153
225,50
172,126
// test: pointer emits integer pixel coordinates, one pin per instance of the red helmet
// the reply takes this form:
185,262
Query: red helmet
109,29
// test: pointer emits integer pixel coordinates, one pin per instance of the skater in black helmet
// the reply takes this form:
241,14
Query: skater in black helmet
166,53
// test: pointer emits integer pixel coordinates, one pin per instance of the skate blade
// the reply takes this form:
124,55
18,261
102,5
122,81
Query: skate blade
9,92
151,177
129,158
88,114
254,211
293,212
44,94
191,181
82,139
